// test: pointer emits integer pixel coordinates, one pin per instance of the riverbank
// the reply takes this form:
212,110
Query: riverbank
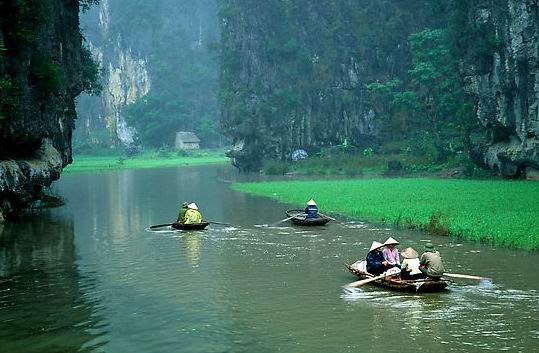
499,212
151,159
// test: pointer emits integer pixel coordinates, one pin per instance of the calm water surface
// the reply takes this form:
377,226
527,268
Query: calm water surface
88,277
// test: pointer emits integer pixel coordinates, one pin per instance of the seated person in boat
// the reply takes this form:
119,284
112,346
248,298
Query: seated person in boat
191,215
391,254
311,210
182,212
431,262
376,264
410,265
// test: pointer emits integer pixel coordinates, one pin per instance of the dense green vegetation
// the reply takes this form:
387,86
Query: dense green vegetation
499,212
151,159
21,31
322,67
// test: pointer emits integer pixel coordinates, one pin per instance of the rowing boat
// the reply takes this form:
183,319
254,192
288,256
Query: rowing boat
358,268
299,217
190,226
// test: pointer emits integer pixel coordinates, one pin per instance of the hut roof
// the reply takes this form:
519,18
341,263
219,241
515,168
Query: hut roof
186,136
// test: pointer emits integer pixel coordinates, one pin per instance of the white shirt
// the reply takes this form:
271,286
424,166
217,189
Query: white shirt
411,265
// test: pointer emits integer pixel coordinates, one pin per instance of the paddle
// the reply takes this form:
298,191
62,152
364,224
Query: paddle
161,225
456,275
333,219
281,221
324,215
392,271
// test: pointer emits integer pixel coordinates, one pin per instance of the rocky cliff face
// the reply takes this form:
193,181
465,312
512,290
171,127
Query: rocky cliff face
125,79
505,83
156,71
40,76
294,73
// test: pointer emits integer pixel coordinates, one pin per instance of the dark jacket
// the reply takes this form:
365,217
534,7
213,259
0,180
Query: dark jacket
374,262
311,211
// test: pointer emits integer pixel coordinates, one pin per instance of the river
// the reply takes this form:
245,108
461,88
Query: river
89,277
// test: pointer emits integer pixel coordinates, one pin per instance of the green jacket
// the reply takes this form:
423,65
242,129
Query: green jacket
433,263
191,216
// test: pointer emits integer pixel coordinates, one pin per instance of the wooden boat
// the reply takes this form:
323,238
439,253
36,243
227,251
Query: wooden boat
190,226
300,218
358,268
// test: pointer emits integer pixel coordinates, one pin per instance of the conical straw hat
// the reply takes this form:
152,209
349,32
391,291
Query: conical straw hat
391,241
192,206
311,203
375,245
409,253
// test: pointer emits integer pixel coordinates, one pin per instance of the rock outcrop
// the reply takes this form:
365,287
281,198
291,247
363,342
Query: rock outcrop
279,92
505,84
157,72
40,75
294,74
125,79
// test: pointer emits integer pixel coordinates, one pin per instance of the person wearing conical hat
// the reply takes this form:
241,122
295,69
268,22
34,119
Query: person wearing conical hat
376,264
182,212
410,264
431,262
192,215
311,210
391,254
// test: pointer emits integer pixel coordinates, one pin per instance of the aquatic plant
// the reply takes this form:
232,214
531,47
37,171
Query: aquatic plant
500,212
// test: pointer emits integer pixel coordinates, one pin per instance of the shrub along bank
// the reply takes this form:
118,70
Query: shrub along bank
500,212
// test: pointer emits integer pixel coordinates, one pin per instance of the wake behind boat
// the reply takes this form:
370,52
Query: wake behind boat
359,268
299,217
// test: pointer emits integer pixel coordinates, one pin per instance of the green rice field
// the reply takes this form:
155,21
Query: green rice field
90,163
500,212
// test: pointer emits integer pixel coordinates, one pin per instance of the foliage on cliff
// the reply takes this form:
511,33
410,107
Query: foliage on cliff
42,76
313,74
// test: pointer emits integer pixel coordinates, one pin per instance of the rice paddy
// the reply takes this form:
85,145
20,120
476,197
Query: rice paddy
500,212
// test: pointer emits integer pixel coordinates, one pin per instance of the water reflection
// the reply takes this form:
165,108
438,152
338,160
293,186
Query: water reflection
244,288
42,305
191,241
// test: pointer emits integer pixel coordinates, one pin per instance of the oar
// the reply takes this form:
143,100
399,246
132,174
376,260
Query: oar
161,225
281,221
392,271
456,275
333,219
324,215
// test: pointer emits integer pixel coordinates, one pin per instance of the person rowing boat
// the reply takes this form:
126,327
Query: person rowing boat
191,215
311,210
376,264
431,263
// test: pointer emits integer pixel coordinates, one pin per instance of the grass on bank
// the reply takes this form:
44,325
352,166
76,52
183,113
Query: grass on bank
151,159
504,213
